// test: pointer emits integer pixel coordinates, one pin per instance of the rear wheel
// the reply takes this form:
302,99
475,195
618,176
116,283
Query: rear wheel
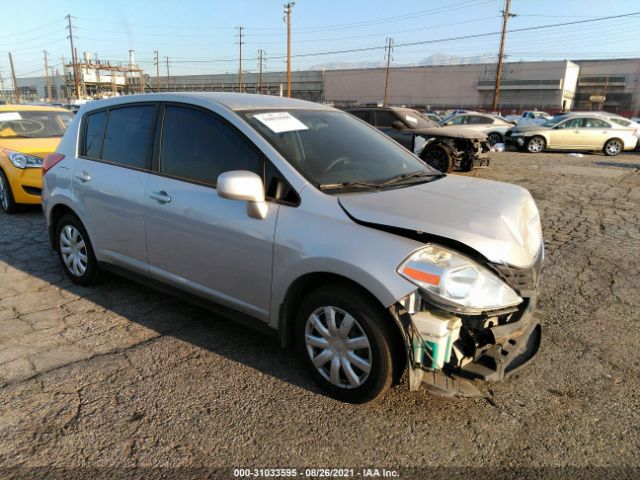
76,252
7,202
347,343
536,144
613,147
438,157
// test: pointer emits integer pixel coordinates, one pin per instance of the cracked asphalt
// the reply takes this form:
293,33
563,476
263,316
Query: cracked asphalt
119,375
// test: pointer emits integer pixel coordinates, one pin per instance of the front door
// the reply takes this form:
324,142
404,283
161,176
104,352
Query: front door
566,135
197,240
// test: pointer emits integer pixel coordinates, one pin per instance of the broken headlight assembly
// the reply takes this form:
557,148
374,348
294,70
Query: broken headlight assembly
455,282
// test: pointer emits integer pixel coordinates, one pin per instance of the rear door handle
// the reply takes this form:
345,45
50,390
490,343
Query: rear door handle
160,196
84,177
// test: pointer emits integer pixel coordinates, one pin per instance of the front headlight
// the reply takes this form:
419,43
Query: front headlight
456,282
22,160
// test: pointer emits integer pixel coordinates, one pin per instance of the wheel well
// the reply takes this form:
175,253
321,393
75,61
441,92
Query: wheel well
300,288
307,283
615,138
56,214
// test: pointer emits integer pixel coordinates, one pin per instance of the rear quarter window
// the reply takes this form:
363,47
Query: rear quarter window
94,134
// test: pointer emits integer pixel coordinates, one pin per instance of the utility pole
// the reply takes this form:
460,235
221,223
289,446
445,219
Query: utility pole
74,59
240,42
15,82
46,75
288,7
167,60
505,19
1,84
261,53
389,49
156,62
56,81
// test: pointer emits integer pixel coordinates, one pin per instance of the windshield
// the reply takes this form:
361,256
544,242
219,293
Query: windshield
554,121
415,119
333,148
33,123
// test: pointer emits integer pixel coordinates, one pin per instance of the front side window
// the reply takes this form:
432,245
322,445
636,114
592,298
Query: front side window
33,123
460,120
199,146
331,147
129,136
573,123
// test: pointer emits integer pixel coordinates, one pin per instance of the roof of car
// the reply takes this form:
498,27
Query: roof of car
21,108
233,101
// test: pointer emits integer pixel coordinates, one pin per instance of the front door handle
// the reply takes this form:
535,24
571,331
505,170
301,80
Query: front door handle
84,177
160,196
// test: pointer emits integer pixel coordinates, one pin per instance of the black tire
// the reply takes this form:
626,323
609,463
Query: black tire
91,274
438,157
613,147
494,137
7,202
536,144
371,319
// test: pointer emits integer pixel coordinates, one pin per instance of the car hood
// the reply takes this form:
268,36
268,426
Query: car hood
498,220
454,132
39,147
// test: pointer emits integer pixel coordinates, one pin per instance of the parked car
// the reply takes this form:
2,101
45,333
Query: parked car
492,126
432,117
307,223
27,134
444,149
574,132
529,117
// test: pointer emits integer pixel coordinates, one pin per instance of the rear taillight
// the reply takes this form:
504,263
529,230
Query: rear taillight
51,161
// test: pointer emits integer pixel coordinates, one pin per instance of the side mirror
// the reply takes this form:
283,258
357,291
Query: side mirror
398,125
246,186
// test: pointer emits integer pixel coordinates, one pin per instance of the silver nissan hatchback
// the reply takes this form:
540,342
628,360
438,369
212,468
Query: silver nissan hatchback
306,221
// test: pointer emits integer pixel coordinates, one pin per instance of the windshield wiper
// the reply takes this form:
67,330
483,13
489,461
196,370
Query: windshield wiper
341,185
410,176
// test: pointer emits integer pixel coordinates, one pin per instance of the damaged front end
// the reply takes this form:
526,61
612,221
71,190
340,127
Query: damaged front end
447,343
470,153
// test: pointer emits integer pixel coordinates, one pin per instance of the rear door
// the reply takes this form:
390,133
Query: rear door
595,132
109,180
197,240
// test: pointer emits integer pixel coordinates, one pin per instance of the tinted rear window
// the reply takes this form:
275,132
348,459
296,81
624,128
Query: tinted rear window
129,136
94,134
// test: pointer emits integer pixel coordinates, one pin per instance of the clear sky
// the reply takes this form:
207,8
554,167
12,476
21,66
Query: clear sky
199,36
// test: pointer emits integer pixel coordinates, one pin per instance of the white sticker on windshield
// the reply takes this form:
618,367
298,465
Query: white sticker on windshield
279,122
411,119
7,116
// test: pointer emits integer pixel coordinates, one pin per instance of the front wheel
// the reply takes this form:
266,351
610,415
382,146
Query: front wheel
536,144
76,252
347,343
613,147
7,202
438,157
494,137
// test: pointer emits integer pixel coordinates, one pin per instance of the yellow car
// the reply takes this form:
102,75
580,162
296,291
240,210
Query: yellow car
27,134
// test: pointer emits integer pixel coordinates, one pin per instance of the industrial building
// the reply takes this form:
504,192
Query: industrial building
612,85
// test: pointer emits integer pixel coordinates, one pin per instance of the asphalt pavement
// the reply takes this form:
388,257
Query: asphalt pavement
119,376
